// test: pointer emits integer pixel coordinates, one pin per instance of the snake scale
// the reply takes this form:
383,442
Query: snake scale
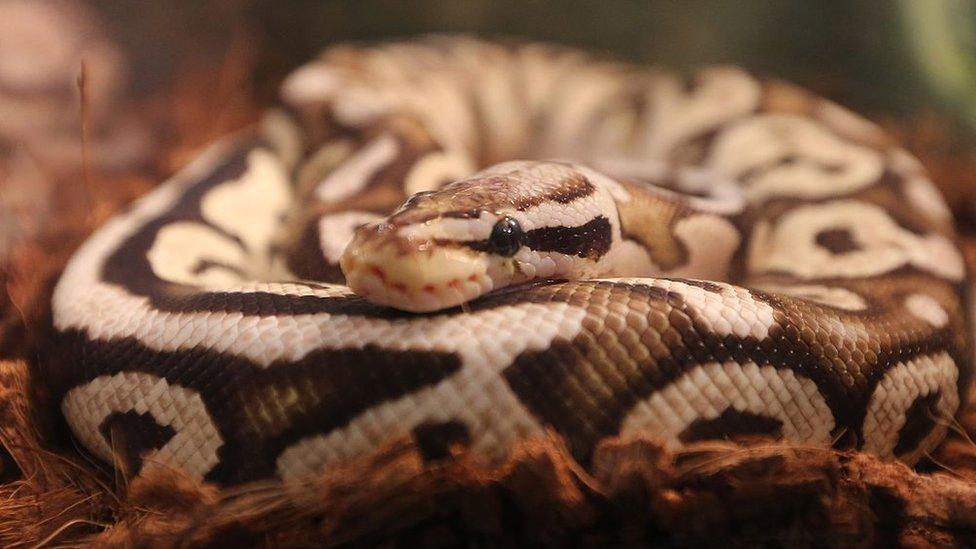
690,257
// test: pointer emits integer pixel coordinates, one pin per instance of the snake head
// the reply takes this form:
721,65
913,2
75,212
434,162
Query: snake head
509,224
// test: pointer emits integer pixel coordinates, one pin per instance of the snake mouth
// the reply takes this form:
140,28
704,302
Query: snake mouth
421,281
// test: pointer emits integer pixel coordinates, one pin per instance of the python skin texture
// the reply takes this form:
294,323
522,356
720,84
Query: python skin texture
461,240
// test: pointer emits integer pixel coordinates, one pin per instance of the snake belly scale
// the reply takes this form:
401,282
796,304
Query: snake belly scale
699,257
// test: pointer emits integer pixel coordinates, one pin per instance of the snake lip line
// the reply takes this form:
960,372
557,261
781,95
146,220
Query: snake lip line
373,282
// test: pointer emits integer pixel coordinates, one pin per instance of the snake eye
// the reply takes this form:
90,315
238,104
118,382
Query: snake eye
506,237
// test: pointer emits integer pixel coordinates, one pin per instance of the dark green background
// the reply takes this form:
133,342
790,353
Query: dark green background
877,56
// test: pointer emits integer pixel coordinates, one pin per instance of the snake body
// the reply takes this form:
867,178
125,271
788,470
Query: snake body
702,257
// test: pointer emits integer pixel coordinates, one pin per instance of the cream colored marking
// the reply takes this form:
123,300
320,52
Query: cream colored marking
575,214
922,194
839,298
195,442
284,137
824,165
928,309
503,168
708,390
446,111
791,245
436,96
724,196
918,187
322,162
180,248
435,169
450,228
251,207
850,125
610,132
336,231
578,101
627,167
631,259
901,386
542,70
903,162
354,174
674,116
312,83
711,242
505,123
359,105
113,313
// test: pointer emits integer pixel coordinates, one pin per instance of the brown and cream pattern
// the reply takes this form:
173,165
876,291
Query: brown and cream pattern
702,257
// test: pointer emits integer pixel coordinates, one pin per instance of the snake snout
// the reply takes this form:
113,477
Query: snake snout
410,275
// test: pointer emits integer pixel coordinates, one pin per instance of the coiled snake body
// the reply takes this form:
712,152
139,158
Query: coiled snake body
704,257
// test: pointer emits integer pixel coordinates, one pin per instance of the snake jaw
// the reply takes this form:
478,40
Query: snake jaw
414,277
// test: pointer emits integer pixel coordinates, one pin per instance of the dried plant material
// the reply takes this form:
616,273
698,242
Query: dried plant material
43,495
158,507
638,493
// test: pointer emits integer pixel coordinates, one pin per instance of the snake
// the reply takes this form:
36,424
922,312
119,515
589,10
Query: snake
474,242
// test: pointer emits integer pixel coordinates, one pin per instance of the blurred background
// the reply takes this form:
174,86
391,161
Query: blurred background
885,57
144,84
891,59
896,56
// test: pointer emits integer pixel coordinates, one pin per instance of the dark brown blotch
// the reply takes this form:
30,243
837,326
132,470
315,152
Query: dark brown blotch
570,189
435,439
590,240
837,241
919,423
132,435
732,424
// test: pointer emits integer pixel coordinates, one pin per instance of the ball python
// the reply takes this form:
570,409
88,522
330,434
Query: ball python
474,242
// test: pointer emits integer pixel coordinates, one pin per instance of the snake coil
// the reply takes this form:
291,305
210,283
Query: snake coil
705,256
